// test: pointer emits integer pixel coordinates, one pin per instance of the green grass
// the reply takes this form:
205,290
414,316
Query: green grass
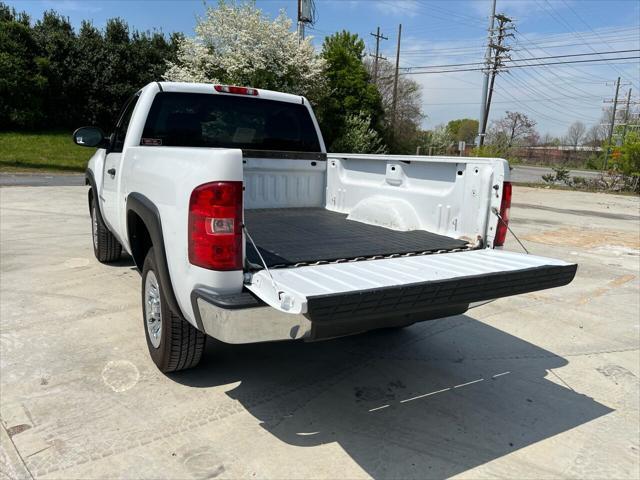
42,151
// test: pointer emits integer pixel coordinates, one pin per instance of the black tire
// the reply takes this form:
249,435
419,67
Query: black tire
177,345
106,247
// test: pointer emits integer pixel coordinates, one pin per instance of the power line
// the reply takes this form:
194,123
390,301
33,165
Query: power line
561,20
531,43
529,65
522,101
524,59
529,109
585,23
562,108
431,13
537,93
552,71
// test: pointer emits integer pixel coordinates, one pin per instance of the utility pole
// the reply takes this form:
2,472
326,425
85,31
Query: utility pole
377,55
395,79
613,122
305,15
485,81
300,24
626,117
499,50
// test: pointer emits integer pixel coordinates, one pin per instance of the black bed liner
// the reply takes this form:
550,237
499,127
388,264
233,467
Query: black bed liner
287,236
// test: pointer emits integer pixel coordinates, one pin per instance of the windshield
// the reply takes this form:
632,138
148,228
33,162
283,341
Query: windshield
229,121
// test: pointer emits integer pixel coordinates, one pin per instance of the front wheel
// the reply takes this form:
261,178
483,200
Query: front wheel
174,344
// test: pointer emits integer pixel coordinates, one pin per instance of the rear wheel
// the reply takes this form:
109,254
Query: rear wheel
174,344
105,245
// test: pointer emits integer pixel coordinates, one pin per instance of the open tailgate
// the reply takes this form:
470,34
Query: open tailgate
404,285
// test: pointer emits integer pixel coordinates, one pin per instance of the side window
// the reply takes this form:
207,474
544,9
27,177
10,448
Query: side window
123,124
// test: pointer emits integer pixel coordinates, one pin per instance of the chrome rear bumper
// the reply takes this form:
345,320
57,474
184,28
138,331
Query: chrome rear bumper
252,324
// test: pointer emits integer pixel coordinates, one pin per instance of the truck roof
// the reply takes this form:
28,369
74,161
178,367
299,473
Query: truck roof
188,87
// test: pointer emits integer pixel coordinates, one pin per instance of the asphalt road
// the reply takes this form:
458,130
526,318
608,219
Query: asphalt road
526,174
40,179
519,173
542,385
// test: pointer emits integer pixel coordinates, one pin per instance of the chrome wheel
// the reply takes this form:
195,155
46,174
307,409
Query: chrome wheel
153,309
94,226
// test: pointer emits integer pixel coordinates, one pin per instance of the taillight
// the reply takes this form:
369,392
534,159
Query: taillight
236,90
505,206
215,226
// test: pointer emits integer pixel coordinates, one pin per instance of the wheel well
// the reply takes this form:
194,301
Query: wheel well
139,238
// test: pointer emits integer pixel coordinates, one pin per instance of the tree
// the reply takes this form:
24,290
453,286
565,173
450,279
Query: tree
403,136
630,158
55,39
54,77
513,128
439,140
463,129
575,133
595,136
22,82
348,89
238,44
359,137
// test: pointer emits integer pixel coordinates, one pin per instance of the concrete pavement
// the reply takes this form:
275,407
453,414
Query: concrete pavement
538,385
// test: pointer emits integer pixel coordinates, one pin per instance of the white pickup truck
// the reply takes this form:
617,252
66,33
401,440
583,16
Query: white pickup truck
246,230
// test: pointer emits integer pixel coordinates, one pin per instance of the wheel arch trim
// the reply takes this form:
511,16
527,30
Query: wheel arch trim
150,216
93,194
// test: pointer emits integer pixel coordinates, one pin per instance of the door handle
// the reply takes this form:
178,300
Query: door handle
112,172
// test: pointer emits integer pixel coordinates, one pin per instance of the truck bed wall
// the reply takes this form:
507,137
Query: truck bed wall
283,183
450,196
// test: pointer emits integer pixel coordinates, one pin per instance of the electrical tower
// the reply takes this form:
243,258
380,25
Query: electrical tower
498,53
377,56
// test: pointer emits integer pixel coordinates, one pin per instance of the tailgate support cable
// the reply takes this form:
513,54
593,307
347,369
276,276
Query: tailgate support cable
497,214
264,264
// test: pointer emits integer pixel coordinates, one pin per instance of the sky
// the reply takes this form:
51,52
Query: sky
445,33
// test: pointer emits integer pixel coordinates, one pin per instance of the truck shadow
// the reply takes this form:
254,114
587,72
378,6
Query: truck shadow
433,400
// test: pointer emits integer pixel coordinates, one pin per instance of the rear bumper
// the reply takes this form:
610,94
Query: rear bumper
243,318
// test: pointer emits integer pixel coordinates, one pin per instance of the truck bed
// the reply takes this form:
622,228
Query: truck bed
290,236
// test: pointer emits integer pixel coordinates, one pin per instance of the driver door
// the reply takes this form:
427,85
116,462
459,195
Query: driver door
112,167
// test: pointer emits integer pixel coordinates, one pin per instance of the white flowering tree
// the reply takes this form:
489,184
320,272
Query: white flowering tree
359,137
236,43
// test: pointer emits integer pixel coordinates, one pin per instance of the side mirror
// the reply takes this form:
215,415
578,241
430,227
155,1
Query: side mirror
90,137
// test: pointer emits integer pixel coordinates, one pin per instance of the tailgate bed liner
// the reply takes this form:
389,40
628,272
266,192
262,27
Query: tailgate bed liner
288,236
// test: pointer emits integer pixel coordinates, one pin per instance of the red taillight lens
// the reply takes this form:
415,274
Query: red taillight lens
505,206
215,226
236,90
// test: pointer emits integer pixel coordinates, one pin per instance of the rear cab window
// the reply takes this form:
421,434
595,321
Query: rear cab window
179,119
